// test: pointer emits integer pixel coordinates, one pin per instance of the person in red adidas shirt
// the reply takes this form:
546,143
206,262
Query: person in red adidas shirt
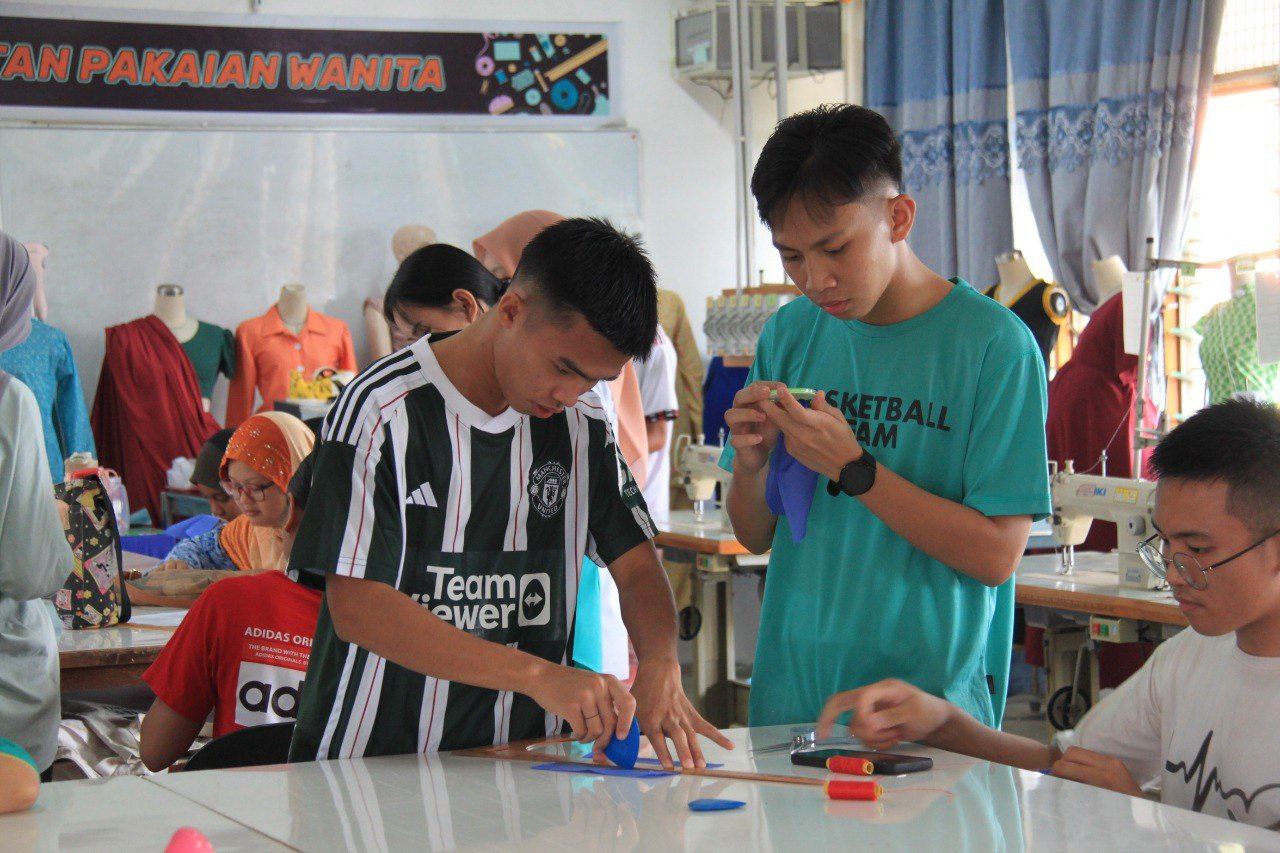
242,649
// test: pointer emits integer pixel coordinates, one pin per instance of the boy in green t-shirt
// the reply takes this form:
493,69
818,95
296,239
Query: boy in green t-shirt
928,436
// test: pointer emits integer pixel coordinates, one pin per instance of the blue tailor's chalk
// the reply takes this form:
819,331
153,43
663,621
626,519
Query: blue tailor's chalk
710,805
624,752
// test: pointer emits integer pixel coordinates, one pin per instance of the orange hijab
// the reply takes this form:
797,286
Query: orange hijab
273,444
505,244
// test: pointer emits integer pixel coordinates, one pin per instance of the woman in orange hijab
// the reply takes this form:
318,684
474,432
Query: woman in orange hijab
500,251
262,455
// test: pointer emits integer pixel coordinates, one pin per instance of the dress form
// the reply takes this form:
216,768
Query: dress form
1108,275
410,238
293,306
171,308
1015,277
38,253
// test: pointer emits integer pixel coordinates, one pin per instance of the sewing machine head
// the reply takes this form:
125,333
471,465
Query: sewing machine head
699,471
1078,499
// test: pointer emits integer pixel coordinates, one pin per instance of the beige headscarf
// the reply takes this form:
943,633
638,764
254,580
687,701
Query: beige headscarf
273,444
506,242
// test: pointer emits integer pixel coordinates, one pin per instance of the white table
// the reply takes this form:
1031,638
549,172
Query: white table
117,656
1092,588
446,801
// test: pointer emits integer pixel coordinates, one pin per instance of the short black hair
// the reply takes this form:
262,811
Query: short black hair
828,156
428,277
588,266
1236,442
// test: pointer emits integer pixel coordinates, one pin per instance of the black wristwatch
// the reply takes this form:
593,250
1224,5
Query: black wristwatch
856,478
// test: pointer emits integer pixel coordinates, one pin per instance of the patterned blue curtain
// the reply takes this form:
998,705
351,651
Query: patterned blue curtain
937,70
1109,96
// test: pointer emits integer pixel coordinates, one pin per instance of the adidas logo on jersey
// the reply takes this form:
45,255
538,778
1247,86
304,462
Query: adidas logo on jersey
423,496
267,694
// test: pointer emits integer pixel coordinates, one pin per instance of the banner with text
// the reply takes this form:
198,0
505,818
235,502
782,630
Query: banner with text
46,62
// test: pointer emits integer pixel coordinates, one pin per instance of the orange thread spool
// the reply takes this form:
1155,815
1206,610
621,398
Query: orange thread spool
850,766
854,789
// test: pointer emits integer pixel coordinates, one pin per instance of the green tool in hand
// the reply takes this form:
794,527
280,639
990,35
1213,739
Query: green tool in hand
804,395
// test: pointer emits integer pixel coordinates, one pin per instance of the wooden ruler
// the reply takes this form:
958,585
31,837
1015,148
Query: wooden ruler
527,751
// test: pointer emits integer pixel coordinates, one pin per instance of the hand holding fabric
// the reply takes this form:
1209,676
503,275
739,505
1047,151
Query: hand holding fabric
818,437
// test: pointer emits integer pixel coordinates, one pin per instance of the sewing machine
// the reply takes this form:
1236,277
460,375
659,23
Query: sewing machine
699,471
1078,499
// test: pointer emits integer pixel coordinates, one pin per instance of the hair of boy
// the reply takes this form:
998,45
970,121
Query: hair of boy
829,156
1236,442
587,266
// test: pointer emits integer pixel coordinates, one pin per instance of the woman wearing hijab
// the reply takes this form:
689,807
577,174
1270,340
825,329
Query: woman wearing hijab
35,559
262,455
241,652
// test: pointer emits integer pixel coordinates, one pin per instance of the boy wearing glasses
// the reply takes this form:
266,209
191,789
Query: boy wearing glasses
1197,719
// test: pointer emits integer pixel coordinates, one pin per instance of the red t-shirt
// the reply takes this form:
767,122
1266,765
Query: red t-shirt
240,652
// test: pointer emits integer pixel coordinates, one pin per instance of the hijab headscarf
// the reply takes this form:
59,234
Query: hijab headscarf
506,242
273,444
17,290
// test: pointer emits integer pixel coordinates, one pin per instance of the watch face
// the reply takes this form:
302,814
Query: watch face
857,479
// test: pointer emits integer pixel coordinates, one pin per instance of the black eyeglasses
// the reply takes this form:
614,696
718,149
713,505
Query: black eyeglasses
1196,575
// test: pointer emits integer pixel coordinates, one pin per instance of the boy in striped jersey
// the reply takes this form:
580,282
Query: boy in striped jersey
458,486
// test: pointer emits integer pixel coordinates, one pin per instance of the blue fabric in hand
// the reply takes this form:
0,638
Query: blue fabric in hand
789,489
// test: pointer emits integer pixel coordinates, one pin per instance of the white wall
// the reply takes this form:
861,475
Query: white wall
687,170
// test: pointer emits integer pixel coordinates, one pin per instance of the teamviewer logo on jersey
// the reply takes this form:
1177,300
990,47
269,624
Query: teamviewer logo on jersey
548,487
535,599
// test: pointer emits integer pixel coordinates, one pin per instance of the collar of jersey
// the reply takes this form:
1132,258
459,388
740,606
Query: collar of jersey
454,400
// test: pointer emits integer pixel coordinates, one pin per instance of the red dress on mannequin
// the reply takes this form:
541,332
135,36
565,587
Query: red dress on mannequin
148,410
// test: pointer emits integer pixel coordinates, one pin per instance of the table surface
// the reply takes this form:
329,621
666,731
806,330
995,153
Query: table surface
1092,588
133,642
709,537
453,802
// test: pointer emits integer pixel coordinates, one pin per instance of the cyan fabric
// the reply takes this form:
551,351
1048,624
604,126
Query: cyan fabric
8,747
588,642
936,69
45,365
953,400
1109,96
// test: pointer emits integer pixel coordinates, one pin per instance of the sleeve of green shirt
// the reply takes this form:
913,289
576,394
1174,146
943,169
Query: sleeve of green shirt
1006,469
618,519
352,523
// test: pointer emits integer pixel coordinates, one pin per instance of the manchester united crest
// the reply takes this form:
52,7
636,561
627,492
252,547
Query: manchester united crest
548,487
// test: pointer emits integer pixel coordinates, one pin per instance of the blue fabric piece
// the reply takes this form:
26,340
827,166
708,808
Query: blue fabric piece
203,552
601,770
588,641
789,488
194,526
156,545
937,71
721,385
1108,95
714,805
954,401
623,752
45,365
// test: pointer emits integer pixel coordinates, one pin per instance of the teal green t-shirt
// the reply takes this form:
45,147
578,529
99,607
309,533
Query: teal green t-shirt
8,747
953,400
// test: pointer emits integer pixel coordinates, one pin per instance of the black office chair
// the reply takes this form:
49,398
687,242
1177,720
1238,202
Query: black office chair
252,747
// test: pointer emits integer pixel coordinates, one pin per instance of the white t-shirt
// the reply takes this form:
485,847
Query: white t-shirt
657,376
1200,719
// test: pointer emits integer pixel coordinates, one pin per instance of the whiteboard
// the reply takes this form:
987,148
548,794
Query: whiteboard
232,215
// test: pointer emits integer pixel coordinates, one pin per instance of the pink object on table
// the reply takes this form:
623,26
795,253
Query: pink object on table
188,840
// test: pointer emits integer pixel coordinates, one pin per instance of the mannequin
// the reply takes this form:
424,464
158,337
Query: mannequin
1042,306
289,338
293,306
1229,344
407,240
1015,277
44,363
410,238
1108,276
39,254
171,308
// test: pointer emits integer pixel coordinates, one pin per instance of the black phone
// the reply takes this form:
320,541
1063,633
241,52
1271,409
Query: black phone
884,763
